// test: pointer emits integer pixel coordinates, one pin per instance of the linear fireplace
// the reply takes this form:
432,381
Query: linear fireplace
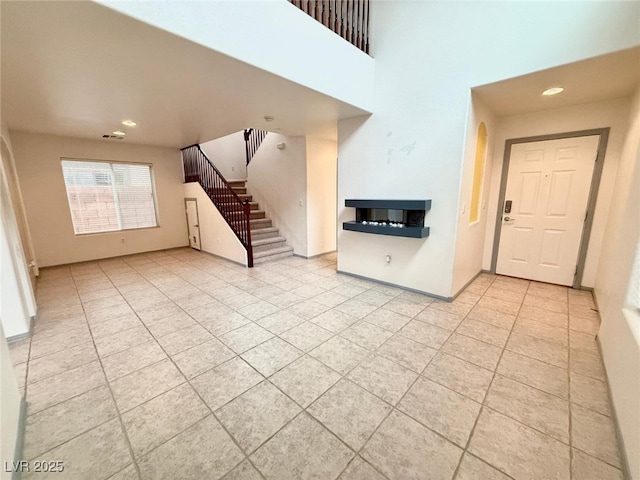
400,218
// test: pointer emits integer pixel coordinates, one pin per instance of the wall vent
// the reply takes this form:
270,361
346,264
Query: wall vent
118,137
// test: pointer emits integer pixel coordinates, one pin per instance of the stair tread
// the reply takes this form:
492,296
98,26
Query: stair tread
259,231
273,251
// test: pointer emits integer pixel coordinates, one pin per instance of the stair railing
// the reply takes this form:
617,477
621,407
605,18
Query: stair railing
198,168
347,18
252,140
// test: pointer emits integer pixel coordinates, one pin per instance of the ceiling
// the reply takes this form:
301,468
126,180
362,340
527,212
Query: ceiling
78,69
615,75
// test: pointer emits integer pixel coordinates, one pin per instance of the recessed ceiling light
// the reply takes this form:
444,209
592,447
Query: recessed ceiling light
129,123
268,118
553,91
119,133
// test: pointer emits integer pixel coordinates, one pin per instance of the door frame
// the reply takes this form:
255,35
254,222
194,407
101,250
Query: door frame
186,213
603,133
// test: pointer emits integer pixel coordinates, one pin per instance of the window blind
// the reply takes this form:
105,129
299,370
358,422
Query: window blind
106,197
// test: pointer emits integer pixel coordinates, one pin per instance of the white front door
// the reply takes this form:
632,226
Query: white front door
192,223
544,211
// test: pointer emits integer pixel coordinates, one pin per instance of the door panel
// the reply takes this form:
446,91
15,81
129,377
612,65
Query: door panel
548,183
192,223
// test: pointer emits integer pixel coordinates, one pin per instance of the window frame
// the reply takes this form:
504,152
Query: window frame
111,163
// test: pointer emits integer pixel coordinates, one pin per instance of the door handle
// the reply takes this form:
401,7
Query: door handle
509,220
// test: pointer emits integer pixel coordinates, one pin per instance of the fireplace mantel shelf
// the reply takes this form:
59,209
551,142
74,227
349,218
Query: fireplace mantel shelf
411,211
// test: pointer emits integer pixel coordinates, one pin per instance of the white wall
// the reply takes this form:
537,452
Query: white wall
470,238
215,234
322,158
10,400
228,155
38,164
613,114
277,179
620,329
428,55
272,35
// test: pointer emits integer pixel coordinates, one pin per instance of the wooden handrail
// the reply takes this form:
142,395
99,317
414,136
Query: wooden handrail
347,18
198,168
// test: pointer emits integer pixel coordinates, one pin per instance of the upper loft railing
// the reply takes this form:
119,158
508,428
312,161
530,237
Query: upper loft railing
347,18
198,168
252,140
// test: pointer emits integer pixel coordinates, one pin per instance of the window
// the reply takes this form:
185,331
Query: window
106,197
478,172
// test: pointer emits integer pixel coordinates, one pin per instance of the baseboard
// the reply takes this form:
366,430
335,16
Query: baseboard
626,467
455,295
380,282
17,456
314,256
27,334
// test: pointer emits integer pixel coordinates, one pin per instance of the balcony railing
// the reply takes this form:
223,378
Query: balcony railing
347,18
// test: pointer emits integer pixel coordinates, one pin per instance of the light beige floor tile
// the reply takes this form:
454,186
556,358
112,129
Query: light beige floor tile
586,467
128,361
594,434
123,340
583,341
199,359
499,305
472,468
406,352
456,308
479,353
541,330
505,293
585,325
302,450
533,312
350,412
589,393
366,335
334,321
426,334
308,291
383,378
534,373
170,324
374,298
460,376
350,289
330,299
339,354
535,408
128,473
246,337
387,319
55,425
156,310
443,410
416,297
492,317
306,336
285,299
484,332
181,340
404,307
279,322
225,382
403,449
539,349
548,291
115,325
547,304
96,454
59,362
210,450
19,350
519,451
256,415
224,324
356,308
156,421
307,309
258,310
468,298
305,380
56,389
48,344
358,469
586,364
144,384
244,471
270,356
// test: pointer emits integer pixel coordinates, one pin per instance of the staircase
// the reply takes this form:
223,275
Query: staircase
266,240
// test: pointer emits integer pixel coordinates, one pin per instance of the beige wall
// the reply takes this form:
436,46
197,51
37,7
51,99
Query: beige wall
215,234
613,114
38,159
228,155
620,329
322,164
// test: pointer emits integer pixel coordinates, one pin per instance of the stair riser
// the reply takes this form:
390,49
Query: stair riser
240,190
269,246
257,215
262,236
272,257
263,223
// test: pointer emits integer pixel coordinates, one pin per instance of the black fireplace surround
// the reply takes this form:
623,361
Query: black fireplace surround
400,218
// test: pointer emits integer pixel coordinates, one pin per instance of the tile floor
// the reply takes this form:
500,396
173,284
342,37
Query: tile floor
179,365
